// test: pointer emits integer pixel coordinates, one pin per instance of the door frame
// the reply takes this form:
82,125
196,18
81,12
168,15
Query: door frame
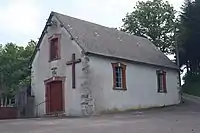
47,82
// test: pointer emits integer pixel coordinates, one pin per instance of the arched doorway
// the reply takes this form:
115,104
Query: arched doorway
54,95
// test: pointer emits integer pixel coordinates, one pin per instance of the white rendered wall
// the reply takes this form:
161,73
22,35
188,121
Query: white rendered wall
141,87
41,70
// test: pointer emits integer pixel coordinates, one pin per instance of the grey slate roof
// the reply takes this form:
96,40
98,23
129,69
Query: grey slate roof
106,41
100,40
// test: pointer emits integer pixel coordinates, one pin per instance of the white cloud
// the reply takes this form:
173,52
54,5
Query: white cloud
22,20
104,12
19,17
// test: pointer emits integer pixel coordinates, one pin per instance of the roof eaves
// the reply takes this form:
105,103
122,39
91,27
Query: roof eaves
131,61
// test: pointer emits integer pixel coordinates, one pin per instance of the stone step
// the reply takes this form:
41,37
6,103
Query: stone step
56,114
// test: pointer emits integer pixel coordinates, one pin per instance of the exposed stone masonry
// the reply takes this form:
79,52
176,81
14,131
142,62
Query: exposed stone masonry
87,101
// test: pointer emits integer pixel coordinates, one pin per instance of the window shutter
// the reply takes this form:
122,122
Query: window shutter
51,50
164,82
54,47
158,79
124,76
114,65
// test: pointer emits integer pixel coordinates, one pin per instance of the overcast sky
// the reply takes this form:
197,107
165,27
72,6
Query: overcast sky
22,20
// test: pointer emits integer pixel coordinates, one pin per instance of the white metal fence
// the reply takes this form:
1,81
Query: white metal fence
7,102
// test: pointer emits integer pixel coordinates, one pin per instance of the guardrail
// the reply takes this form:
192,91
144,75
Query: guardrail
37,106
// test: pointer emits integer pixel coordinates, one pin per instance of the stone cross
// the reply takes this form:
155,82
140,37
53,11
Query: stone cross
73,63
54,71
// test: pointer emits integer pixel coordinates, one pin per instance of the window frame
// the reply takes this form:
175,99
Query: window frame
123,76
119,77
50,39
161,76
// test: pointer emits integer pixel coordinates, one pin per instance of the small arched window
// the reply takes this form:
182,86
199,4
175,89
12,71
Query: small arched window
54,51
161,79
119,76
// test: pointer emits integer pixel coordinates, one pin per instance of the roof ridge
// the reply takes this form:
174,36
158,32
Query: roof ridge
82,20
114,29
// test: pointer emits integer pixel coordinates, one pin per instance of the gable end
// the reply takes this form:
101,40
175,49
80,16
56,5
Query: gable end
45,31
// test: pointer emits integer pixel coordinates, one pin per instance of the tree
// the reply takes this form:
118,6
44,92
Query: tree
154,20
14,66
188,36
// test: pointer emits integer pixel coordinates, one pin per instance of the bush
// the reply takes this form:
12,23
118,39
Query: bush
192,78
192,84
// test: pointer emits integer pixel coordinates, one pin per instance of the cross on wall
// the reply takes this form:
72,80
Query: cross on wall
73,62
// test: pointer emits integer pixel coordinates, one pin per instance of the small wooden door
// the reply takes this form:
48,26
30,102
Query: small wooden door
54,97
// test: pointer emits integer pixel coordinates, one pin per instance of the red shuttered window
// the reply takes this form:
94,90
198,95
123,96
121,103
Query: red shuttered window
161,79
54,52
119,76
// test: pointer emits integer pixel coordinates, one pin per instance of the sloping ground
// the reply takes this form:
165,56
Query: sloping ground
183,118
191,98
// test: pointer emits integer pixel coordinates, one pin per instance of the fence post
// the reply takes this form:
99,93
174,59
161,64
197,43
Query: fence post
1,102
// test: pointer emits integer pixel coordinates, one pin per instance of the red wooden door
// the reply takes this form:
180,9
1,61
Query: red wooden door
54,97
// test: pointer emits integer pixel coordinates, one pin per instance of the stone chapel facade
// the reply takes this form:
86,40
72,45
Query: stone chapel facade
80,68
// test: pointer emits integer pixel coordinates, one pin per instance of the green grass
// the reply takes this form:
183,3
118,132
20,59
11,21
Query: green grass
192,88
